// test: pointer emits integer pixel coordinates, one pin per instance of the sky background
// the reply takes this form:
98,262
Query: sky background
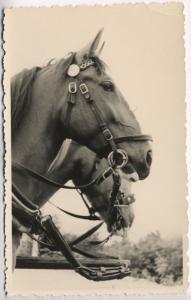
145,53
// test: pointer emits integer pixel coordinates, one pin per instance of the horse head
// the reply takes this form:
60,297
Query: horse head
104,108
75,98
118,216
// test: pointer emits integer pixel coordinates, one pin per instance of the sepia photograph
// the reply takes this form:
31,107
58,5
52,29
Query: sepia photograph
95,142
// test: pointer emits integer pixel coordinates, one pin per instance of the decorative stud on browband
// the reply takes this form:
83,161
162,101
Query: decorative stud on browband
73,70
86,64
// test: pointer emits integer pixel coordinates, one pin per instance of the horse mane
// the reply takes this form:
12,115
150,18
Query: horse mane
21,86
60,156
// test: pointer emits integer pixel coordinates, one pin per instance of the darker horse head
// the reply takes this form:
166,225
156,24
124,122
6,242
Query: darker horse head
88,167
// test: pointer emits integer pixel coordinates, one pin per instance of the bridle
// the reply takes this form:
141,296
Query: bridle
117,157
23,208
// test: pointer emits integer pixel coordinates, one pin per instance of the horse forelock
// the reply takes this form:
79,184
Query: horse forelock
99,64
21,85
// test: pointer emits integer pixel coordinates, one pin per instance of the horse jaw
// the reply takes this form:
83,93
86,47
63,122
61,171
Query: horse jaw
123,233
126,211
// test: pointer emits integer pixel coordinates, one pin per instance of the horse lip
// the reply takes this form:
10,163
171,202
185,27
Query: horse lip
129,199
125,232
111,228
131,172
133,176
122,232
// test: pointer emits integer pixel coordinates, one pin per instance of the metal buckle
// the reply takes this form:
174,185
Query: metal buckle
124,159
107,173
83,88
72,88
107,134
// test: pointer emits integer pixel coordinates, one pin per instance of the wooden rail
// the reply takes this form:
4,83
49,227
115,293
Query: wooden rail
25,262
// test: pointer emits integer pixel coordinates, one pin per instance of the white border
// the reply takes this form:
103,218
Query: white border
49,3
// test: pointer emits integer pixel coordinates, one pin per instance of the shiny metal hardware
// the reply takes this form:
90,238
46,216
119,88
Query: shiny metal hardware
83,88
124,158
73,70
72,87
86,64
107,134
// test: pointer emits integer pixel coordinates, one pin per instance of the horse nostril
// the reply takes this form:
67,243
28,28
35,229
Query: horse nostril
149,158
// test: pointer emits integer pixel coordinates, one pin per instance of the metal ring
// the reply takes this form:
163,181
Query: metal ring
124,158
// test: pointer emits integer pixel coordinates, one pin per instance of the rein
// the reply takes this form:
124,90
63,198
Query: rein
98,180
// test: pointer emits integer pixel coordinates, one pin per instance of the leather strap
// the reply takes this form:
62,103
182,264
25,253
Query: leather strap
23,198
97,274
86,234
97,113
134,138
42,178
90,217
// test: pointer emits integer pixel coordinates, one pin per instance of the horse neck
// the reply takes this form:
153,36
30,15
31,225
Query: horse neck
35,145
61,170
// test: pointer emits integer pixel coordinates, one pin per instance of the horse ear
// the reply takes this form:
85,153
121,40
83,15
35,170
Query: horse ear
90,49
100,49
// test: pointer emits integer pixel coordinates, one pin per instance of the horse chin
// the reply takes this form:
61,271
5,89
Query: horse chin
123,233
135,172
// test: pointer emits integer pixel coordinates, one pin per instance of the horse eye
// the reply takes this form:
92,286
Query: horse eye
107,86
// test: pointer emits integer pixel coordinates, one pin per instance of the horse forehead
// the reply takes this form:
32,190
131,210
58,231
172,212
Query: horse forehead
95,72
